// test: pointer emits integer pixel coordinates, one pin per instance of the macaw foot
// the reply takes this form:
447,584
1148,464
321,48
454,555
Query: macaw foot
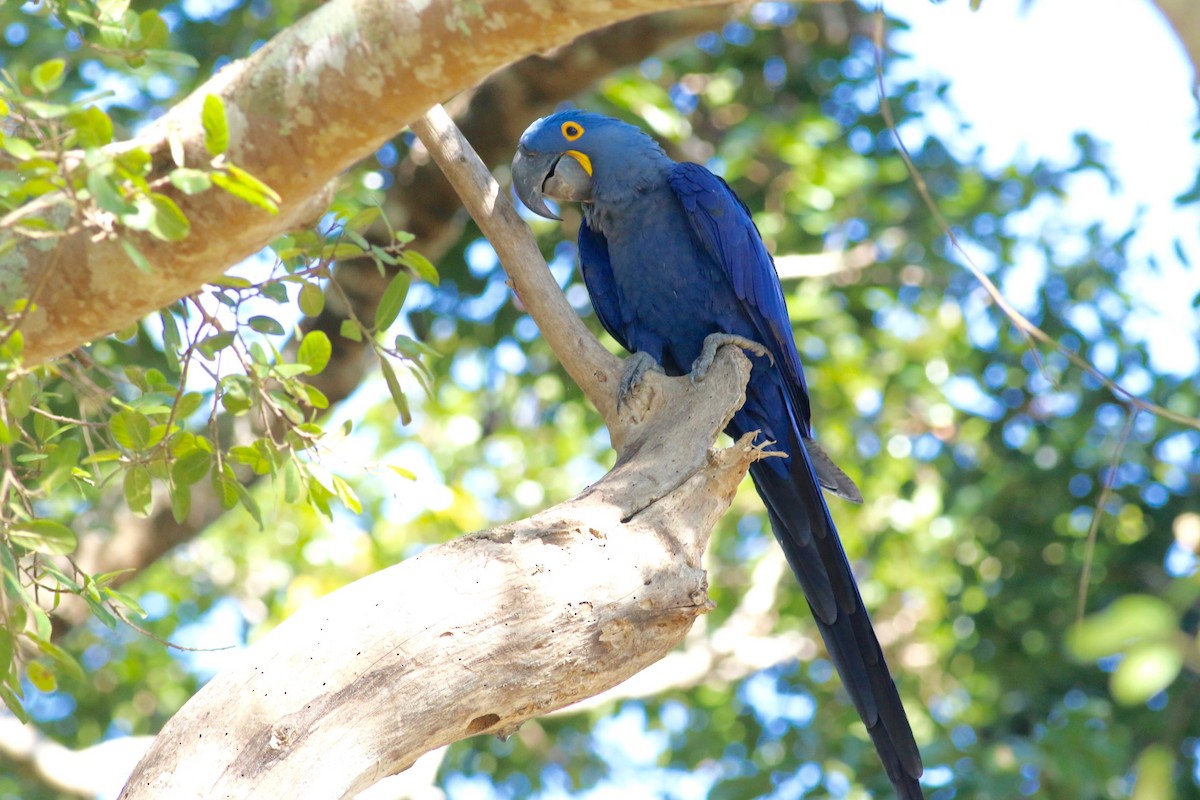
714,342
636,367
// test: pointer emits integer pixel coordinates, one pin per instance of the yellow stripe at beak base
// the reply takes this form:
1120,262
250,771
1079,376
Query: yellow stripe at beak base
583,160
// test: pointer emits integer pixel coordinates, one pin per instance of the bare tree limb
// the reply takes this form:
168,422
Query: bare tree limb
821,265
422,202
1184,16
480,634
76,773
295,110
589,364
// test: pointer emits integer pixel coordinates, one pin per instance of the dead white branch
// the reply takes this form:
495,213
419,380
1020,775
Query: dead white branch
315,99
480,634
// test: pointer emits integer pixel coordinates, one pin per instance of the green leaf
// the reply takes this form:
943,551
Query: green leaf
350,329
420,265
20,396
235,398
190,181
152,31
64,457
14,704
312,299
363,219
18,148
168,221
346,495
292,483
64,660
102,457
124,600
112,10
40,676
6,650
93,128
316,398
137,258
43,536
180,496
249,503
398,398
211,345
131,429
1155,773
265,324
48,75
413,349
243,185
188,404
216,129
1130,619
315,351
170,58
107,195
1145,671
191,467
224,484
137,490
252,457
392,301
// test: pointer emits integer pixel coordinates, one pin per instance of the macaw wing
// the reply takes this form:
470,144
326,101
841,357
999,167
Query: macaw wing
722,224
598,278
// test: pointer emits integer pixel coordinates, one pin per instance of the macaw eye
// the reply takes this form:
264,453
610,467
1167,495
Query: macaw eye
572,130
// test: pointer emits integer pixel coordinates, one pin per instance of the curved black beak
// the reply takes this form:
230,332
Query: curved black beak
559,176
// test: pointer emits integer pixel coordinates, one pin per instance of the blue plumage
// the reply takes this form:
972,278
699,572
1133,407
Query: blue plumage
670,255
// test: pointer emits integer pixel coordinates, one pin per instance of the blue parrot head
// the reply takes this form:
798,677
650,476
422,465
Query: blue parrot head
565,155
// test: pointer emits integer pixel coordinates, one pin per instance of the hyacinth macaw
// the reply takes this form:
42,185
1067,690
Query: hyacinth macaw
675,268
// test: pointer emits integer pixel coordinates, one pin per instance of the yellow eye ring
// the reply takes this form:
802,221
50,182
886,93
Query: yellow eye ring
572,131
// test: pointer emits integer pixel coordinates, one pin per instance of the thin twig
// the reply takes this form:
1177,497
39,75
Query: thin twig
1098,513
592,367
1027,328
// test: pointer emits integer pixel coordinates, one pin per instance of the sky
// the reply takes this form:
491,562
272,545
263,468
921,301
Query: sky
1028,77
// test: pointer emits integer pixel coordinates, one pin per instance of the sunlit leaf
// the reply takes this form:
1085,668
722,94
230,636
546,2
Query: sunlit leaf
315,350
398,398
216,129
392,301
41,676
138,490
190,181
420,265
1145,671
265,324
48,75
1128,620
43,536
1154,774
312,299
131,429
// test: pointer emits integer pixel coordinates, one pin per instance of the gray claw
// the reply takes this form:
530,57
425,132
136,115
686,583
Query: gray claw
714,342
636,367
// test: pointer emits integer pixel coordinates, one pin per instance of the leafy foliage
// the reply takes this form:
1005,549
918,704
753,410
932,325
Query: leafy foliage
982,465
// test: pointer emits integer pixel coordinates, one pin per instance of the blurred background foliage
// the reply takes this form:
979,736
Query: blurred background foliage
981,464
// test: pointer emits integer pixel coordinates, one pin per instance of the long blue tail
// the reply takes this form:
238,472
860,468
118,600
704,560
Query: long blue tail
805,530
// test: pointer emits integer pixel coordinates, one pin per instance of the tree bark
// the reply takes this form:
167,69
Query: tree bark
421,202
480,634
296,120
1184,17
475,636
